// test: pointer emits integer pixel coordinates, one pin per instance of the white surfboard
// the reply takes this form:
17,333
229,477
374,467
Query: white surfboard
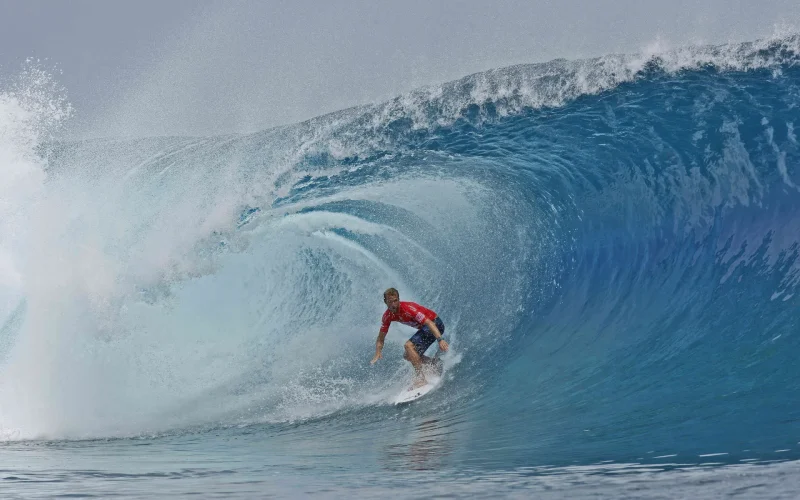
411,394
433,374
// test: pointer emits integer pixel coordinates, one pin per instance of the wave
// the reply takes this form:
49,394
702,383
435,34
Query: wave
612,243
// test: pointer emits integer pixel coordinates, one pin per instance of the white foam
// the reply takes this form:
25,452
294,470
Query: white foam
31,108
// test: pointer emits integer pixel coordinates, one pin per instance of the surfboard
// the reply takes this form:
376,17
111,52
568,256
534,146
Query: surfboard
411,394
433,374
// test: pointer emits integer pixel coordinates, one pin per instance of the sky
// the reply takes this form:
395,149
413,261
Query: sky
201,67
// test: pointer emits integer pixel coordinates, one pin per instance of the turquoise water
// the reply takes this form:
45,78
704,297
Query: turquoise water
612,244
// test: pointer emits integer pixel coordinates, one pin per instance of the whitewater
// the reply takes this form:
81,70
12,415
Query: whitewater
612,243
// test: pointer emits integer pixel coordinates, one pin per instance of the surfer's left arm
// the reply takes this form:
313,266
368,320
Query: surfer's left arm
443,345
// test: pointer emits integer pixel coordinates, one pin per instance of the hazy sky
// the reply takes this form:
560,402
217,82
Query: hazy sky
155,67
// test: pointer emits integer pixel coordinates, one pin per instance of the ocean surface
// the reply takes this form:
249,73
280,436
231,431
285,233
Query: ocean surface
612,244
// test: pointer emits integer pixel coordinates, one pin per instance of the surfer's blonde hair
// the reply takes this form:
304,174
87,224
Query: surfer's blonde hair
391,291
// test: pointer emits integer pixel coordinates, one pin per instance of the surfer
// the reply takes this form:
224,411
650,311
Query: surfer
429,330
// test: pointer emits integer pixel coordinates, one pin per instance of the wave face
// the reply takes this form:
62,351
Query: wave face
612,244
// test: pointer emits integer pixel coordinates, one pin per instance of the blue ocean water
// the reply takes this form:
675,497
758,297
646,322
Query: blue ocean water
612,244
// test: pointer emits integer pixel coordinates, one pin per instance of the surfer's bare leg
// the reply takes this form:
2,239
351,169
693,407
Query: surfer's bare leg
415,359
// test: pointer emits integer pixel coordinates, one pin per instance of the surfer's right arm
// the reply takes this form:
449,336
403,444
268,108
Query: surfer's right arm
386,320
378,347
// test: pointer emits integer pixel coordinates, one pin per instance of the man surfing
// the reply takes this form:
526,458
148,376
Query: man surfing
429,330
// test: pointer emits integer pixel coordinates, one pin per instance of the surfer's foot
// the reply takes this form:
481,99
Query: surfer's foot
419,383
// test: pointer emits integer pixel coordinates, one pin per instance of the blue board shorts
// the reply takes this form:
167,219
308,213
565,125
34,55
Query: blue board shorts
424,337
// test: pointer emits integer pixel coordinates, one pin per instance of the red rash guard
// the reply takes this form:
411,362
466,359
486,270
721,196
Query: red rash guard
408,313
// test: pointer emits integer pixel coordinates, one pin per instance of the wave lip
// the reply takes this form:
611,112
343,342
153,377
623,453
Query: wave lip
510,90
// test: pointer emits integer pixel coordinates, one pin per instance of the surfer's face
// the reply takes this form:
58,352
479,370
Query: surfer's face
392,302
